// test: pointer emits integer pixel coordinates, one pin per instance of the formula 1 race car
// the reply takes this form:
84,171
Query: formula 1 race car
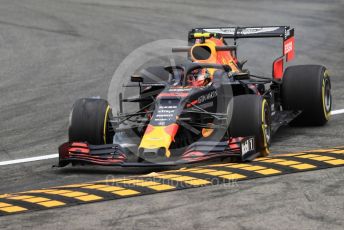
204,108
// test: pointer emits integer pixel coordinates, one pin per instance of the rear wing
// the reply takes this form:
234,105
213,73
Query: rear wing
246,32
284,32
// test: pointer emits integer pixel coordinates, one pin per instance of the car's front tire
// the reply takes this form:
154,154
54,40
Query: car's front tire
89,121
252,117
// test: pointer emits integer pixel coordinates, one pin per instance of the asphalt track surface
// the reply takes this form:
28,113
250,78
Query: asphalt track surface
53,52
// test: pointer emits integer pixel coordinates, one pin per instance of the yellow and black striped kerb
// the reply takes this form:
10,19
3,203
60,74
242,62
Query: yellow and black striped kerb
171,180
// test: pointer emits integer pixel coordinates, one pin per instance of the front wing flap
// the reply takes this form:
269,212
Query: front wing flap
241,148
81,152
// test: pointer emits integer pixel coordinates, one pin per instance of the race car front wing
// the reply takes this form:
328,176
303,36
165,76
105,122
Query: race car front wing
240,148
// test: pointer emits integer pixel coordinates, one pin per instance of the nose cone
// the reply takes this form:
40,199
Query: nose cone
157,140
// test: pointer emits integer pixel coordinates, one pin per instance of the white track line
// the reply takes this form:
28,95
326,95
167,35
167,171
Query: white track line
24,160
45,157
335,112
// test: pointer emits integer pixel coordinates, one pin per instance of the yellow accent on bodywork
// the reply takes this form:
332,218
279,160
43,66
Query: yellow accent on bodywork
212,46
201,35
213,57
157,138
207,132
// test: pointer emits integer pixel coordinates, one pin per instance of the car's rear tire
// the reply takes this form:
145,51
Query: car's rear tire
307,88
252,117
89,121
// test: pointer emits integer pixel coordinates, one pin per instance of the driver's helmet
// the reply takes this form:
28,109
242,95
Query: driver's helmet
199,77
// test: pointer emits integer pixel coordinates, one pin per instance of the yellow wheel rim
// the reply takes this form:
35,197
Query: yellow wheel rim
105,122
265,151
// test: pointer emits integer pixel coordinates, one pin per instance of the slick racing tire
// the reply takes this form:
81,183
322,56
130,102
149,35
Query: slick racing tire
89,122
252,117
307,88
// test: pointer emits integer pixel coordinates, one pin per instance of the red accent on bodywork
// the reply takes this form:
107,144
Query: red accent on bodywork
79,150
68,152
99,160
223,57
79,147
289,48
149,115
233,143
195,156
191,103
172,130
79,144
149,129
277,71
